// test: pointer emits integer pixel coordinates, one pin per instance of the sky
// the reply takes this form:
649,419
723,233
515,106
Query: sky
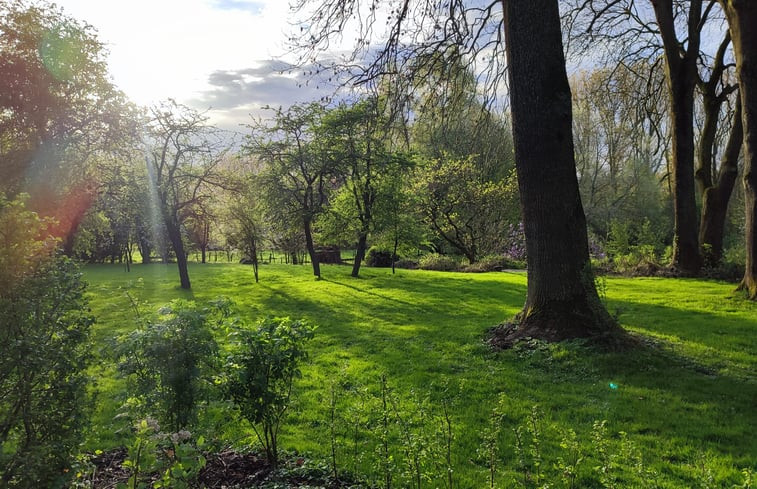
229,56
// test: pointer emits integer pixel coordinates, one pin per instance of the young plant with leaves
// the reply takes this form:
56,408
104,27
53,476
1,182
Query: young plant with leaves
260,374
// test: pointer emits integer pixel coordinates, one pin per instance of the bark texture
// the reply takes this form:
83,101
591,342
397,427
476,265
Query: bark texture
681,76
716,195
562,301
311,248
173,229
742,19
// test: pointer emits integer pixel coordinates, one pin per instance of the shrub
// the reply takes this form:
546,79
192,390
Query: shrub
380,257
170,359
44,354
406,263
493,263
260,372
516,243
435,261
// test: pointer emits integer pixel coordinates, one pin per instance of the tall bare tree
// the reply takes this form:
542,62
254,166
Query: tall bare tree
742,19
562,301
716,183
672,30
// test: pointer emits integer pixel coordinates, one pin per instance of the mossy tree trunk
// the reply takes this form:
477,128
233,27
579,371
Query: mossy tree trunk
562,300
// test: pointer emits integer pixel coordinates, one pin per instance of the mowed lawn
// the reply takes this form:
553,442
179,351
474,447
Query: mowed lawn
687,398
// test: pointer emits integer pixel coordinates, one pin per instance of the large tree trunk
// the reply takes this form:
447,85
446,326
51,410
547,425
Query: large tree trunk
311,249
715,197
562,301
742,19
359,253
681,76
174,234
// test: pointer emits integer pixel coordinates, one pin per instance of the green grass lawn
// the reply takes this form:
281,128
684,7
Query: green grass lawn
688,399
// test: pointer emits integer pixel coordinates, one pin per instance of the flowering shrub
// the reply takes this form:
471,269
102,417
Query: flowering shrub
515,247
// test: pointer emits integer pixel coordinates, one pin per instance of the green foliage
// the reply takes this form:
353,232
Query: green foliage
380,257
467,211
141,458
696,364
58,102
169,360
634,248
260,373
441,263
94,239
184,461
494,263
175,457
44,354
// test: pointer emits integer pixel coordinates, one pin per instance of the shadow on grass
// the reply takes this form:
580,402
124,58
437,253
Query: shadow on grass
693,391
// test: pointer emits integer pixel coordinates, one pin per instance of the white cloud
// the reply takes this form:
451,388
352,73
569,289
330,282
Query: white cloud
169,48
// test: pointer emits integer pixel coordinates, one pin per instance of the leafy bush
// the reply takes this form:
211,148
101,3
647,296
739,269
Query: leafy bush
493,263
380,257
44,354
170,359
168,460
435,261
260,372
406,263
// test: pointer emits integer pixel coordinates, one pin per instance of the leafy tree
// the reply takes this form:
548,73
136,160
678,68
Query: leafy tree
123,206
58,108
199,226
296,176
399,227
465,209
183,156
245,217
358,139
44,353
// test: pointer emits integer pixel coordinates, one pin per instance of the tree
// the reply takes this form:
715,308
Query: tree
198,224
297,177
58,110
44,352
399,227
620,147
562,301
716,185
359,139
742,17
673,29
245,214
182,158
463,207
